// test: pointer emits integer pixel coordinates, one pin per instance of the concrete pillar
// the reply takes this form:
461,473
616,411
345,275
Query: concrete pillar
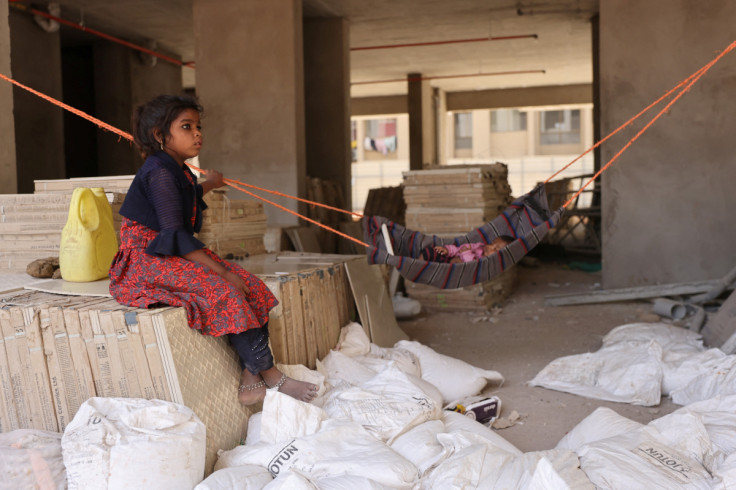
481,134
421,123
668,201
123,79
440,106
39,129
9,182
250,79
327,100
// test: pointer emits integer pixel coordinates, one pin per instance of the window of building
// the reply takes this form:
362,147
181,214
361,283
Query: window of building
559,127
380,136
463,131
503,120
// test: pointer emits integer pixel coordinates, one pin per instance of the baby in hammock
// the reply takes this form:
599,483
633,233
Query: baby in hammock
466,252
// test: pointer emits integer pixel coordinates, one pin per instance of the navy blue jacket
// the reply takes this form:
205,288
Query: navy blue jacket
164,199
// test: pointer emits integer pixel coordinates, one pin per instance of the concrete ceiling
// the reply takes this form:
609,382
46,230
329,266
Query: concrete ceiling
558,54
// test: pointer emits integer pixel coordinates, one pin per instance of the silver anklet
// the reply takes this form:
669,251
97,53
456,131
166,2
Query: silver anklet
252,387
279,384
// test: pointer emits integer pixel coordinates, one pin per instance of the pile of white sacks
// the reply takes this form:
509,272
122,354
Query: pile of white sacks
378,423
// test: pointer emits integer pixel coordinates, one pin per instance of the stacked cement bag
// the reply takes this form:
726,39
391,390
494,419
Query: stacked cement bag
31,459
379,423
122,443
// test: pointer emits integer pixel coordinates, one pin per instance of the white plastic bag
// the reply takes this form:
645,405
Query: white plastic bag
339,448
123,443
245,477
600,424
454,378
387,405
31,459
353,340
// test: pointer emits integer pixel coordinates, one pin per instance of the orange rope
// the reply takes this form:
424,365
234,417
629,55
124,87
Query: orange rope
695,77
79,113
232,184
624,125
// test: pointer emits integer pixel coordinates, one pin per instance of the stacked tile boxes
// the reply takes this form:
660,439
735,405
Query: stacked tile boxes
59,350
451,201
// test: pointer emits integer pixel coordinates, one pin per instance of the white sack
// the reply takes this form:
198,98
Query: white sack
524,472
420,445
406,360
460,470
254,429
387,405
353,340
245,477
626,373
717,376
600,424
456,422
718,415
123,443
350,482
726,472
340,448
454,378
670,337
285,418
339,368
291,480
31,459
641,459
682,369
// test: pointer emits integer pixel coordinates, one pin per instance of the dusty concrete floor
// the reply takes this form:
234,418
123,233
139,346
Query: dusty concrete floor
524,337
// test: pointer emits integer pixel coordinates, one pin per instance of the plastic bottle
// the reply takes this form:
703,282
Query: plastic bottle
88,240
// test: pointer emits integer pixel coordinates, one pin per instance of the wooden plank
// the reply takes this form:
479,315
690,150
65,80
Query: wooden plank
294,316
374,305
626,294
309,286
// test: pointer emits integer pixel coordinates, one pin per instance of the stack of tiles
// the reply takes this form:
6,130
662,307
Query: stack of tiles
453,200
233,227
31,225
112,183
57,350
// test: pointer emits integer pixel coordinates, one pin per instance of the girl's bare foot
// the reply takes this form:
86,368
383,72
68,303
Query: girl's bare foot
252,388
300,390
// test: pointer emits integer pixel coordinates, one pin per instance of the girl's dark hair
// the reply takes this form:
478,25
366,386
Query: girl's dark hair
158,114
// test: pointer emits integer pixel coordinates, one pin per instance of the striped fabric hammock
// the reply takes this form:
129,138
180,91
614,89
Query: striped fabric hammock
528,219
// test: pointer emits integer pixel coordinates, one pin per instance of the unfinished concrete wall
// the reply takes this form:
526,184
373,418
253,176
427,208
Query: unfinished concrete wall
327,100
668,201
250,79
9,182
123,80
39,129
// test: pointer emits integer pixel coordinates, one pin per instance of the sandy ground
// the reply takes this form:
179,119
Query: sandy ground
523,337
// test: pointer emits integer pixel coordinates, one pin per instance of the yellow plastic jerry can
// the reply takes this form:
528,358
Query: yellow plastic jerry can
88,241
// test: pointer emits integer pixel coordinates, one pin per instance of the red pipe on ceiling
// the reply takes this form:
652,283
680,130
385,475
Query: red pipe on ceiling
451,41
439,77
101,34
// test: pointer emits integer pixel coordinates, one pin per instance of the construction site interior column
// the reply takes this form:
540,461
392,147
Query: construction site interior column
421,124
35,61
327,101
251,84
9,182
666,217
